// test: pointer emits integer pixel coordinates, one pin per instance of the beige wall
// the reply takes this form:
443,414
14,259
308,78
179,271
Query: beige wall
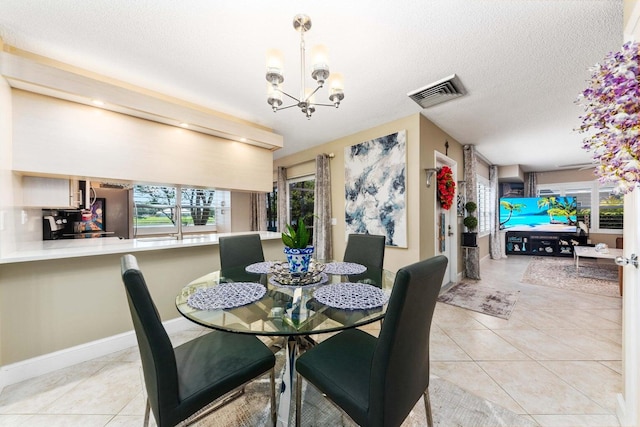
570,175
432,140
423,137
631,20
241,211
7,239
46,306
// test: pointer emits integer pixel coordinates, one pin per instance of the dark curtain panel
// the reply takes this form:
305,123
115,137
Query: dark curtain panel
531,185
258,212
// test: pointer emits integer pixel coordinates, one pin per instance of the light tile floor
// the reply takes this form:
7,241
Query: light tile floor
557,360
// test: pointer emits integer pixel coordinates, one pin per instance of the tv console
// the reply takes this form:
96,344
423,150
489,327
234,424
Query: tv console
542,243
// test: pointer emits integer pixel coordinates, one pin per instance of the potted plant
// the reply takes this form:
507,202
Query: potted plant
297,247
470,238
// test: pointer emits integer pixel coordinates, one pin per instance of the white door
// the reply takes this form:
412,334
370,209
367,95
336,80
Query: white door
628,413
446,236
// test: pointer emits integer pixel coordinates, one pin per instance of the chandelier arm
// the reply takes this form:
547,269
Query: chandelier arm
286,94
288,106
324,105
312,93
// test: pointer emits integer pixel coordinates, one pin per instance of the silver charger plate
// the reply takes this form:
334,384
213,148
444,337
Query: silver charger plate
305,279
281,276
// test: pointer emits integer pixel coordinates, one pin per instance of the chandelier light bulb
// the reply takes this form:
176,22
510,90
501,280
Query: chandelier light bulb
336,89
275,66
274,96
275,59
320,61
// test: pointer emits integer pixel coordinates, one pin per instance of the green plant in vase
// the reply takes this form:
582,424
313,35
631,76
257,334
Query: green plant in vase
297,248
296,239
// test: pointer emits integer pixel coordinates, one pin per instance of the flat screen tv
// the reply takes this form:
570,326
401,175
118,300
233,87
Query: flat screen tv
552,213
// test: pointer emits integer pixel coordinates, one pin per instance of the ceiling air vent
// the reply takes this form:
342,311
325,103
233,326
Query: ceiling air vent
438,92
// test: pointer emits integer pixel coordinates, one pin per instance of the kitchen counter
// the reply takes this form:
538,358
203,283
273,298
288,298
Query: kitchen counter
73,248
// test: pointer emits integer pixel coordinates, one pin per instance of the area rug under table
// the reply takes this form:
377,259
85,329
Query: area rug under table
593,276
482,299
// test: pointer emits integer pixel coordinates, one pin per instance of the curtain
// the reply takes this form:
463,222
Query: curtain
258,212
472,255
322,209
531,185
495,237
283,195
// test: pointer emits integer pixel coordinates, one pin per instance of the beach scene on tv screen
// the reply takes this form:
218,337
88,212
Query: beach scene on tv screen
538,214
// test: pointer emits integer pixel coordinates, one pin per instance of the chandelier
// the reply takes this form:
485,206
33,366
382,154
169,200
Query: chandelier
320,73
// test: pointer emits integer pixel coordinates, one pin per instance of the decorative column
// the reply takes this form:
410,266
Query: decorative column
283,214
496,238
472,255
322,209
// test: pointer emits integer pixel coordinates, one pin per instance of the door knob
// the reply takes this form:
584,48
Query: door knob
622,261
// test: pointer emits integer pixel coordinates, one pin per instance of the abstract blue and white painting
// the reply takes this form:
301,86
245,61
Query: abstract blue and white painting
375,188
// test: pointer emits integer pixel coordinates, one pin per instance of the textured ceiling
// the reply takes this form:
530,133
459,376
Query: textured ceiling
522,62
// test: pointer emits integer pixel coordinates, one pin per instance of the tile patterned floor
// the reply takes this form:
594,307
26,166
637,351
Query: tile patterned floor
557,360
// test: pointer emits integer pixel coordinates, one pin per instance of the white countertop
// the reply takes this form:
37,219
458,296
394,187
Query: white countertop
72,248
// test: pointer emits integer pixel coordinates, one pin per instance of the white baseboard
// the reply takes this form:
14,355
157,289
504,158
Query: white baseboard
30,368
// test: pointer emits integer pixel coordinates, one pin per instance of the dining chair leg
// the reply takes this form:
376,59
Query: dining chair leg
427,408
147,409
273,395
298,398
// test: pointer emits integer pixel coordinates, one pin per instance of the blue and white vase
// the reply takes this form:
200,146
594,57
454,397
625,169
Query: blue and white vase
298,259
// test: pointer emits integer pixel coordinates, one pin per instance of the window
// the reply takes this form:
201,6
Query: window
301,201
486,208
156,209
597,206
299,205
611,209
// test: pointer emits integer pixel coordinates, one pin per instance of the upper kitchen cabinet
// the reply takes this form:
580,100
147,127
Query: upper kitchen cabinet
51,192
107,145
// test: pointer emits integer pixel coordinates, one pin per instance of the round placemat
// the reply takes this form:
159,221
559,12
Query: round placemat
344,268
259,267
351,296
226,295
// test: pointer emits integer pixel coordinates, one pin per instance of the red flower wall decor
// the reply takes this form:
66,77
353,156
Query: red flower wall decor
446,187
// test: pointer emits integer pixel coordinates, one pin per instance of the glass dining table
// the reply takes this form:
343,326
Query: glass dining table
264,299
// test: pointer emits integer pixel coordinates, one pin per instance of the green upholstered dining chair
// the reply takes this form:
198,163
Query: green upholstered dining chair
377,381
182,381
366,249
239,251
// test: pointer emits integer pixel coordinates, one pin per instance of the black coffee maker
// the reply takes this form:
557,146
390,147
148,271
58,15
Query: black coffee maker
53,227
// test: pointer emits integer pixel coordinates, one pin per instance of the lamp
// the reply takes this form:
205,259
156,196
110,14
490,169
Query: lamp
430,174
320,73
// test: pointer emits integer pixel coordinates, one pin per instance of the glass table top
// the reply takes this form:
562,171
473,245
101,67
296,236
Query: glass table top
285,309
